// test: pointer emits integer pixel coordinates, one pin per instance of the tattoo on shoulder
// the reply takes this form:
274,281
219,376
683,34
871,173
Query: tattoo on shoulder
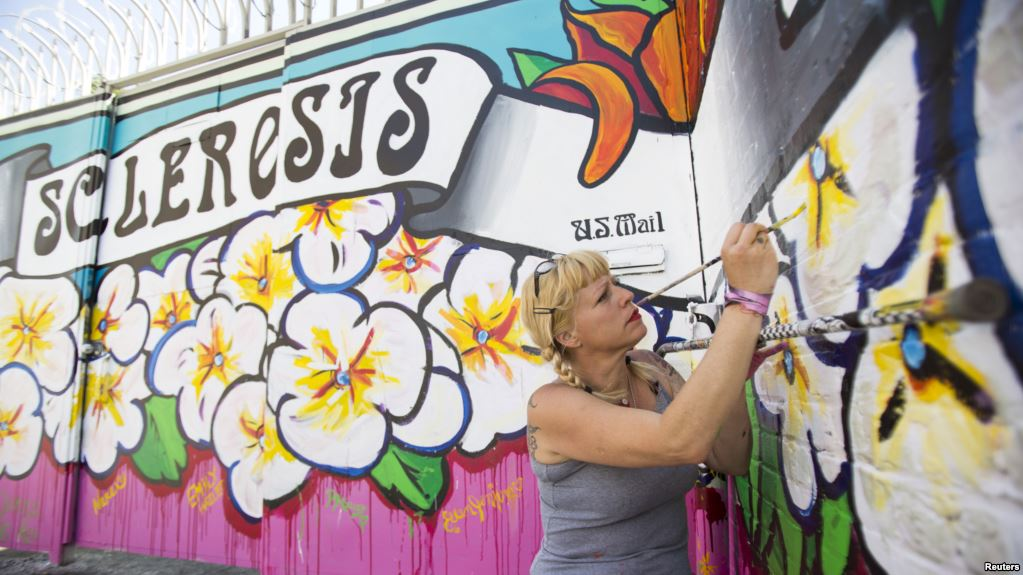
532,403
663,363
531,438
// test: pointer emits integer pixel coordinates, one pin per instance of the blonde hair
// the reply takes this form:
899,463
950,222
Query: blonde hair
558,290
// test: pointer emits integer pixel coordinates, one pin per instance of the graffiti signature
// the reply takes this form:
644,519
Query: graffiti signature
206,491
497,498
356,510
103,499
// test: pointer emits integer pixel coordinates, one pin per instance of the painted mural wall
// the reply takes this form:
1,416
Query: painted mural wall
266,313
896,127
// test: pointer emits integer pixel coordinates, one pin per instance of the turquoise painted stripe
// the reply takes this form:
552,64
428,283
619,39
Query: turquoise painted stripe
129,130
531,24
67,142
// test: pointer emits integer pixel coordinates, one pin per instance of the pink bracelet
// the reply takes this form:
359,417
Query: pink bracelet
751,302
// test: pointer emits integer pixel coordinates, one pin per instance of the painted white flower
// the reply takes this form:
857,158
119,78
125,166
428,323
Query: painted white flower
120,322
62,418
805,394
4,270
247,443
199,359
479,316
35,316
936,420
351,377
21,427
167,297
408,267
113,416
204,269
336,246
256,267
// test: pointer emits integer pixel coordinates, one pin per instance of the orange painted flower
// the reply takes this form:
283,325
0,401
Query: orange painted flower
407,260
614,128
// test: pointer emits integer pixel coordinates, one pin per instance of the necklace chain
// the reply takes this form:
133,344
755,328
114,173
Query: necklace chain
632,396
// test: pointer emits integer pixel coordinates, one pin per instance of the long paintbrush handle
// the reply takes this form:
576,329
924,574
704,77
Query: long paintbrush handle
773,228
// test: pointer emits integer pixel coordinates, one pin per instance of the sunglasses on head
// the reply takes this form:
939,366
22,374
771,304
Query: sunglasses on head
542,268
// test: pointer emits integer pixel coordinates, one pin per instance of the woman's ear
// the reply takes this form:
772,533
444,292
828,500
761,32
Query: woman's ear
568,340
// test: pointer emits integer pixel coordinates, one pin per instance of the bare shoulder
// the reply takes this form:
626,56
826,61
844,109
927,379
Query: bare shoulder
551,408
551,399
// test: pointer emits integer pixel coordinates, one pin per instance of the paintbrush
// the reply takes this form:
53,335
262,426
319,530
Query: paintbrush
773,228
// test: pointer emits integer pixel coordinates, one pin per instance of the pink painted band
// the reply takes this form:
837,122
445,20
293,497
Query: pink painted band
750,301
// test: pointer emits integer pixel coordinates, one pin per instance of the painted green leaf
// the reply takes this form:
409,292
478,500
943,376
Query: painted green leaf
160,259
836,534
412,479
531,65
650,6
162,455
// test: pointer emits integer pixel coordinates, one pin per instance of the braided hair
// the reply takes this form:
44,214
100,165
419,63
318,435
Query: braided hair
558,290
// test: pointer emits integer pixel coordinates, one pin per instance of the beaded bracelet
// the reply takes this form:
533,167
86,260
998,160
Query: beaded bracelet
750,302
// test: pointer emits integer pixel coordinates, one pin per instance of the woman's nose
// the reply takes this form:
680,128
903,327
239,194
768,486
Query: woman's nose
627,296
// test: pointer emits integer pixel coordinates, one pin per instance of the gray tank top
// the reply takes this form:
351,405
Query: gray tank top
599,519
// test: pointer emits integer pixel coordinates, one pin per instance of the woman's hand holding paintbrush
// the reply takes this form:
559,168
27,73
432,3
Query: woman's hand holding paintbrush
773,228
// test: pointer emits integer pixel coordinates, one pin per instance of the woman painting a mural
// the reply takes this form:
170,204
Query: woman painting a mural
616,439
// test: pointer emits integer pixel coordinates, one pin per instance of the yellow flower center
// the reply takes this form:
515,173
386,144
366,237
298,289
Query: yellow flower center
22,332
9,423
215,360
484,336
327,213
174,308
103,395
265,274
340,383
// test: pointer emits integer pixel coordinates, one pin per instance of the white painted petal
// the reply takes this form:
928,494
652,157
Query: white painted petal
323,264
499,407
117,290
126,341
21,395
800,482
372,214
440,420
401,366
174,361
56,369
62,420
350,451
245,489
333,312
151,284
483,273
281,477
196,410
242,402
247,333
134,391
104,434
284,372
204,269
4,270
